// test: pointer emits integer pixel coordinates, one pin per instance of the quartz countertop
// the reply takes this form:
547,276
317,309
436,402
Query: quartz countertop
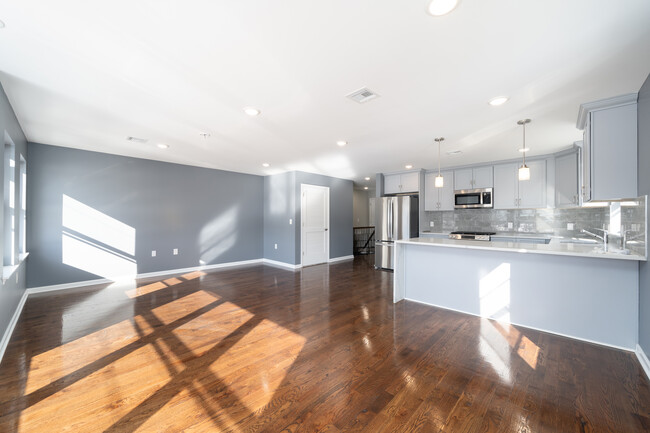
554,247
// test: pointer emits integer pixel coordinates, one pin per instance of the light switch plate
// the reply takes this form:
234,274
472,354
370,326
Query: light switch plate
569,226
431,224
509,225
276,246
290,221
153,253
175,251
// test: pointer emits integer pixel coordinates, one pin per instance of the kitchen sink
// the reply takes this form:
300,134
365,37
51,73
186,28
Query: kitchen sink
580,241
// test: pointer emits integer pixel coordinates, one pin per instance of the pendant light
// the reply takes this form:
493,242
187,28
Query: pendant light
524,170
439,182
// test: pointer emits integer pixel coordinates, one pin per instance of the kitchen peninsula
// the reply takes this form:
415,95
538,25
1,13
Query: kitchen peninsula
575,290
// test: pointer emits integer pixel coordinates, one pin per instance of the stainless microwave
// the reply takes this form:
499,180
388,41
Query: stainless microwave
473,198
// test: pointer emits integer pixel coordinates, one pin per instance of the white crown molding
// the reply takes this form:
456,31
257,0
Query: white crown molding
616,101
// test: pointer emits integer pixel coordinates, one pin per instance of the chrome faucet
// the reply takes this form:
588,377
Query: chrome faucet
604,237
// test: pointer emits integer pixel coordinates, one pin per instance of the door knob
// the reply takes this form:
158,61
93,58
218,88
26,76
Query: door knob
325,229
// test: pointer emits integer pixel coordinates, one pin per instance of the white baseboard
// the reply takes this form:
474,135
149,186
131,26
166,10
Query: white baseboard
199,268
643,359
340,259
573,337
281,264
12,324
52,288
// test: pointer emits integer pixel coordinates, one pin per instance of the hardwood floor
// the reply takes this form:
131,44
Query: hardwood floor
260,349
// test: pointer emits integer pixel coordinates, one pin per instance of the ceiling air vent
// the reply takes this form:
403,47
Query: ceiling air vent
136,139
362,95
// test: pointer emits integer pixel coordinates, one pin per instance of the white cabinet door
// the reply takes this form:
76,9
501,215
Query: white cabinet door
436,199
483,177
392,184
464,179
614,153
410,182
505,186
532,192
446,193
566,180
430,192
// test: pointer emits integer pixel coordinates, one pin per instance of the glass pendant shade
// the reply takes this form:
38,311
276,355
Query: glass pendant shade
524,172
439,181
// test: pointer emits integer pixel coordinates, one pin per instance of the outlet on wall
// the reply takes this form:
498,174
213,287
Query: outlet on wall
431,224
175,252
510,225
276,246
153,253
290,221
570,226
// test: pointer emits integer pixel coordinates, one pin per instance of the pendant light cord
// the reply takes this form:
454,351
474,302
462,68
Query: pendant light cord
524,144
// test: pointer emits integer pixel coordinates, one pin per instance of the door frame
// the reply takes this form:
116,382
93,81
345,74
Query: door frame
304,186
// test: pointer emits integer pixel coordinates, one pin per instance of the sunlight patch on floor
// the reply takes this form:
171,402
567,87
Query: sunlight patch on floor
120,386
62,360
267,344
181,307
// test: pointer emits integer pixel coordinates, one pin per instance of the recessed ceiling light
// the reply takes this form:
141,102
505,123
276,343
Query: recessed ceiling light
524,149
162,146
341,143
365,187
499,100
252,111
408,166
367,178
2,24
266,164
205,135
439,8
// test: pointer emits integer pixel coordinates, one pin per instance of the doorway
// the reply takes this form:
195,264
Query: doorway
315,222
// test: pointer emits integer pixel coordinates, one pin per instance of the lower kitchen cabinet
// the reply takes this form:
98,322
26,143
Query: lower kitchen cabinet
511,193
438,199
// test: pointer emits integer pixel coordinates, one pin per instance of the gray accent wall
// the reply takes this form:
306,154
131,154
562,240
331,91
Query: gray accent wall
282,203
11,290
279,208
211,216
643,123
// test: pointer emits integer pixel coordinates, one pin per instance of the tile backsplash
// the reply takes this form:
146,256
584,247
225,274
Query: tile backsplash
545,221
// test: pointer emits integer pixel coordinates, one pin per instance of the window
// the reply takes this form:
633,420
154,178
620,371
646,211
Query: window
9,202
22,242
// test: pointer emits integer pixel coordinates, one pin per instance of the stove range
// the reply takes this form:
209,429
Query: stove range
474,236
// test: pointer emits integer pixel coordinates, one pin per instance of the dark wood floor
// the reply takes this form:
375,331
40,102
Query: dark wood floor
260,349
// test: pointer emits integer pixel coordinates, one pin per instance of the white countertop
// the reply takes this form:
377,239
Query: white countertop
555,247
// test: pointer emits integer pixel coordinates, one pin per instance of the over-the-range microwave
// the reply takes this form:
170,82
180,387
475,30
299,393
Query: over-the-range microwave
480,198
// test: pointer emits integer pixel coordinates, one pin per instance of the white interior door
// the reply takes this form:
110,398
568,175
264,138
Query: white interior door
315,220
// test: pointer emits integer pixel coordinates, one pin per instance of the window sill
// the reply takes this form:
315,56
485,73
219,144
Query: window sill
8,271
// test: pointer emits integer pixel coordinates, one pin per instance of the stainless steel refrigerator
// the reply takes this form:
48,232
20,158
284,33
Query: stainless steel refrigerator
396,218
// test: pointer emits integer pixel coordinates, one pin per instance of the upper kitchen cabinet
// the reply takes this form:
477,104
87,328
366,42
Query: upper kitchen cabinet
512,193
402,182
438,199
566,180
472,178
609,155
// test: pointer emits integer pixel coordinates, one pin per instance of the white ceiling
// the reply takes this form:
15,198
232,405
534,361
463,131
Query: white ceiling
87,74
